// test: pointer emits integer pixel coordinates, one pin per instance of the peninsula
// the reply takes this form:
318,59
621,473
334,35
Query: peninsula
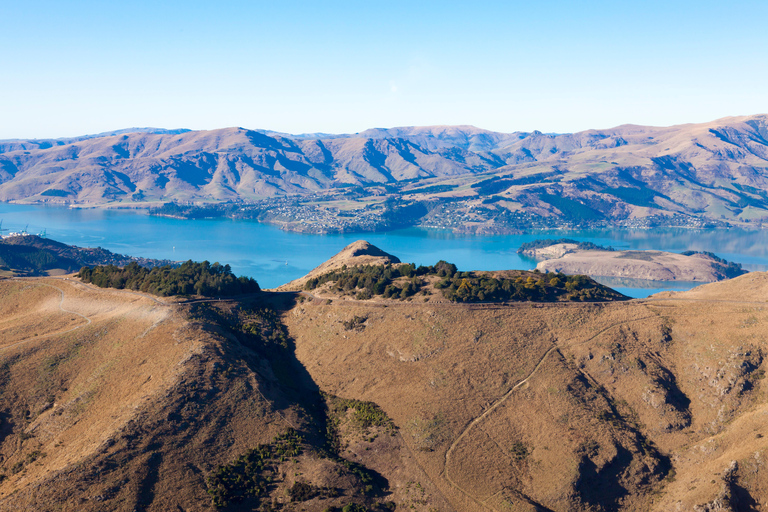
571,257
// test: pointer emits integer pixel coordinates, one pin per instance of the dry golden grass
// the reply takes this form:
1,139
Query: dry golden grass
107,409
654,404
625,390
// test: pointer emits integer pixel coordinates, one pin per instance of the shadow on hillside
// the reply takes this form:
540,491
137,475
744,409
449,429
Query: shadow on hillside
742,500
149,477
602,487
270,353
6,425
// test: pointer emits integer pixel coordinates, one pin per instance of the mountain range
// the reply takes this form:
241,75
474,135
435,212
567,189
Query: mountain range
716,170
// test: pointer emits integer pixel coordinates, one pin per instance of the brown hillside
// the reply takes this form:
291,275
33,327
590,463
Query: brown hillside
111,400
647,405
119,402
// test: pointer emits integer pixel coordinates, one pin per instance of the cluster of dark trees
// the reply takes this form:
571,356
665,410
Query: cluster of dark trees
383,280
248,477
191,211
188,279
33,255
729,269
469,287
370,280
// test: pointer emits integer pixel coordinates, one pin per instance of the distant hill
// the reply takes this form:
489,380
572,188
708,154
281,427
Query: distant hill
716,171
571,257
34,256
364,272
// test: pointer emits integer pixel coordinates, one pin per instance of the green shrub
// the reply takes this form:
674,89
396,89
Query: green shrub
187,279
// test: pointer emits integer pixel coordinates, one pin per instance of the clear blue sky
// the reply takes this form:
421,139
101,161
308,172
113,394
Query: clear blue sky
76,67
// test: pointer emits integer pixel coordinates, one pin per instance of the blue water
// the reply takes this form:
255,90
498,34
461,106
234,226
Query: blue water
274,257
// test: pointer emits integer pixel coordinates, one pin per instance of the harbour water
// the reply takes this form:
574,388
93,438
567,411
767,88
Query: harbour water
274,257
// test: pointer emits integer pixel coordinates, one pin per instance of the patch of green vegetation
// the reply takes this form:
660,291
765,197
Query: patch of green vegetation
190,278
353,507
365,415
362,473
356,323
207,211
519,451
265,325
32,259
250,476
386,281
637,255
34,455
373,280
303,491
54,192
469,287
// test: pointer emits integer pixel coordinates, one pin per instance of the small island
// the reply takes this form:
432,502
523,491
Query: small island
573,257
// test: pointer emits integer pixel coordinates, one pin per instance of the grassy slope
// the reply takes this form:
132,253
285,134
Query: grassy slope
636,406
134,410
620,406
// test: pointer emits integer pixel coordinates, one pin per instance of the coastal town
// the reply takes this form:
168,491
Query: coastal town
326,214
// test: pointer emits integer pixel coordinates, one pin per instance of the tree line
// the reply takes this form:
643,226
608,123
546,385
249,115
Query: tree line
729,269
407,280
370,280
191,278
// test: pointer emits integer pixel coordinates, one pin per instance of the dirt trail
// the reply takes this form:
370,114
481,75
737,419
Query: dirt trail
472,424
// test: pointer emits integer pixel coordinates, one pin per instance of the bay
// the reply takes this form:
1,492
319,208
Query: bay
274,257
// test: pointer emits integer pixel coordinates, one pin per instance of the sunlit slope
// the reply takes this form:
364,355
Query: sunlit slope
114,400
624,406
